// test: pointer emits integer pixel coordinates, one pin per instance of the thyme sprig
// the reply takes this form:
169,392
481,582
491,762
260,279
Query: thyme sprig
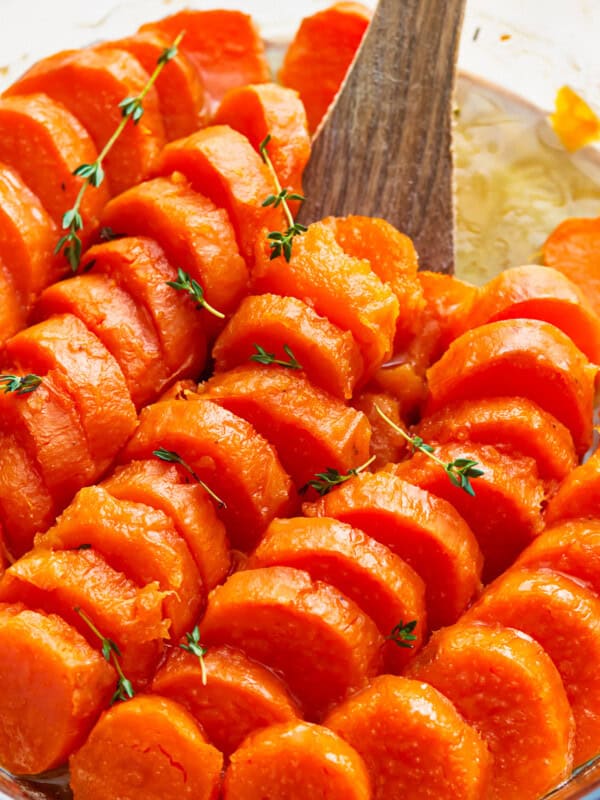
262,357
19,384
460,471
194,647
185,283
280,243
93,174
324,482
402,634
112,654
174,458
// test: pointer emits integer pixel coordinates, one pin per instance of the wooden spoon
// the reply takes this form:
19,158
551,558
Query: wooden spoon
384,148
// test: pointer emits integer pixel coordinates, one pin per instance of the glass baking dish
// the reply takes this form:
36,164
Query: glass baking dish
514,180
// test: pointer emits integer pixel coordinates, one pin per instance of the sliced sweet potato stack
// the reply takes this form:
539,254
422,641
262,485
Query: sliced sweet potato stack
534,292
13,311
329,356
272,614
46,421
386,443
422,529
571,548
224,46
194,234
515,425
572,248
92,375
509,489
524,358
508,689
309,429
342,288
91,84
225,451
54,686
181,95
266,109
239,697
42,141
148,742
221,164
58,582
296,759
318,58
564,617
124,328
393,259
579,493
27,241
160,485
26,505
367,572
140,267
413,741
138,541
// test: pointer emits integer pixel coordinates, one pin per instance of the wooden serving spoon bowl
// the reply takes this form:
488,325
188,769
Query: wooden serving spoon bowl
384,148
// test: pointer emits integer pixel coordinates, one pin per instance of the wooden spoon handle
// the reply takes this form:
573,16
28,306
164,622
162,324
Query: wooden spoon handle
385,147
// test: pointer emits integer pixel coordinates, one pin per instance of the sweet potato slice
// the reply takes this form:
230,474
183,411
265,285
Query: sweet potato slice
413,741
226,452
525,358
266,109
139,266
224,46
309,429
386,443
138,541
509,489
92,375
13,310
54,686
44,143
534,292
367,572
125,329
46,422
508,689
514,425
26,505
571,547
181,95
160,486
28,237
572,248
194,234
329,356
448,301
393,258
61,581
342,288
564,617
221,164
296,759
91,84
146,749
422,529
318,640
240,696
318,58
579,493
